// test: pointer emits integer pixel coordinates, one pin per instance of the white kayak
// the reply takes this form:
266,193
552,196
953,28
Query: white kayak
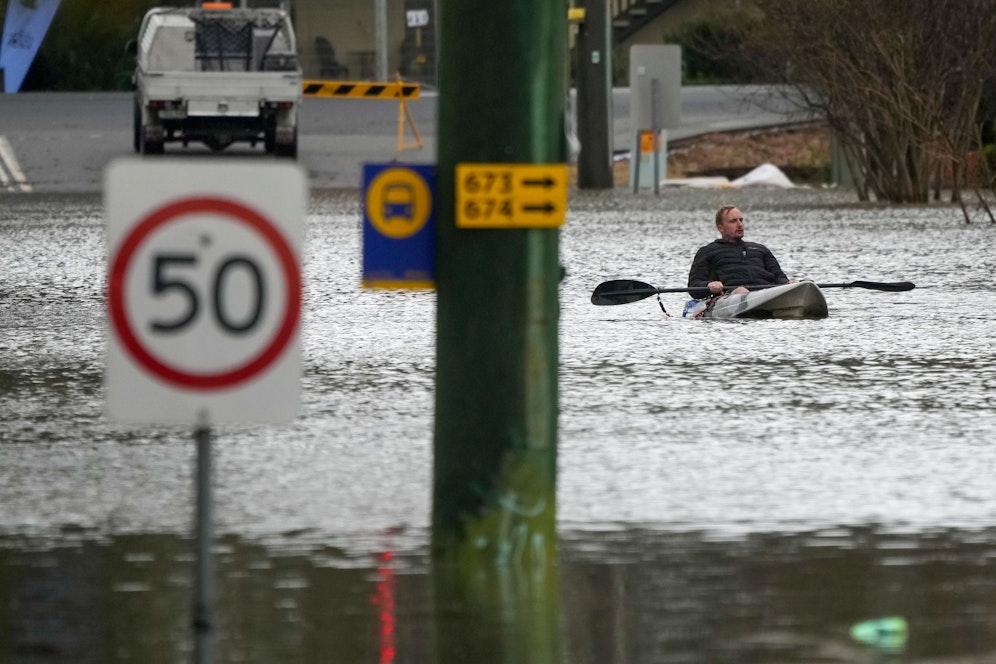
794,301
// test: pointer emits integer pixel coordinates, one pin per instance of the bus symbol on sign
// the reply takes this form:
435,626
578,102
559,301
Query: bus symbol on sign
399,202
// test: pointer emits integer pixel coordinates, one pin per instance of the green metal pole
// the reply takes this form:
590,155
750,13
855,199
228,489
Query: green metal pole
501,100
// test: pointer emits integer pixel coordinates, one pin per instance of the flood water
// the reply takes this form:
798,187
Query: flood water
728,491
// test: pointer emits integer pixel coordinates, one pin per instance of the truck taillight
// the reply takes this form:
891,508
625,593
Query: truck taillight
285,105
157,104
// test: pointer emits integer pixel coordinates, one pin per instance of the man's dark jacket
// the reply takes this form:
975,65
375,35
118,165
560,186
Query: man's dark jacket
738,263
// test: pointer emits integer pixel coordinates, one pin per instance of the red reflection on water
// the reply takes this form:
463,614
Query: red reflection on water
383,599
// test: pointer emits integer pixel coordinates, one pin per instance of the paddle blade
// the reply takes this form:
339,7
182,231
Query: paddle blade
887,286
621,291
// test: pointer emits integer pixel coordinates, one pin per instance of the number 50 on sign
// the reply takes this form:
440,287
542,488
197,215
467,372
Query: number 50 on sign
204,291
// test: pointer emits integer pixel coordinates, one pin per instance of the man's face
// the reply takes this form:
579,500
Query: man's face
732,227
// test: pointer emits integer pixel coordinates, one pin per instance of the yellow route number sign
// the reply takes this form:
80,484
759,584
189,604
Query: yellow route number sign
511,195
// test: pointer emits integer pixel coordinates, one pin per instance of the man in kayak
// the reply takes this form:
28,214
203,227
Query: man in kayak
731,260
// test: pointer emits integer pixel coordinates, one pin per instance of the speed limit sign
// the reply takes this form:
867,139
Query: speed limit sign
203,290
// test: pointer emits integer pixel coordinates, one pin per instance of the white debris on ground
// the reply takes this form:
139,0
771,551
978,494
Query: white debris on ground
765,175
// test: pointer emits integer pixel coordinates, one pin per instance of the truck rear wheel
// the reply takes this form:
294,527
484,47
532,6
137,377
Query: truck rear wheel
288,149
150,147
270,139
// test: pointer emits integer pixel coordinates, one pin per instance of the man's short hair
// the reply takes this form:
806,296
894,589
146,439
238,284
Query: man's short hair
722,211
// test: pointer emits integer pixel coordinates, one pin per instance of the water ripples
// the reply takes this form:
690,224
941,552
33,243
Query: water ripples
881,413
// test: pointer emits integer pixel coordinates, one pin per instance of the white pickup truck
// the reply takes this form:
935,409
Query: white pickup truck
217,75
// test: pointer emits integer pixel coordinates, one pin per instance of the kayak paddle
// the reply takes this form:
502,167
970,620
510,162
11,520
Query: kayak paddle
624,291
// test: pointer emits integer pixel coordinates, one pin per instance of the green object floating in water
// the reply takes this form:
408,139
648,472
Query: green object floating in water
886,633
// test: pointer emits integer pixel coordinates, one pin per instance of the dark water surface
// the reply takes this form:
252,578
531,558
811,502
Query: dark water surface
728,491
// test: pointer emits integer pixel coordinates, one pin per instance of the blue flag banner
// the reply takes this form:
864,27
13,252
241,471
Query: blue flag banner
23,30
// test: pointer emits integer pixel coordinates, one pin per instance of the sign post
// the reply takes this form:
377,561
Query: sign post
204,595
204,308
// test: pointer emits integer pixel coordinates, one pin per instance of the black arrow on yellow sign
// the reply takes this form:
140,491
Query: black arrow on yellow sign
547,207
546,182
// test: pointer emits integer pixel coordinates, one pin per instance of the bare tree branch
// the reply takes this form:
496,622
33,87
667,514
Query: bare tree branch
901,82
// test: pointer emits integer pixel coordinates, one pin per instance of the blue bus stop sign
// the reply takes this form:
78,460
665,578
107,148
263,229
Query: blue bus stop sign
399,226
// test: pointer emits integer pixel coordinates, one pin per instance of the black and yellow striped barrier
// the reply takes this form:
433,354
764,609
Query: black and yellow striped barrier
361,89
403,92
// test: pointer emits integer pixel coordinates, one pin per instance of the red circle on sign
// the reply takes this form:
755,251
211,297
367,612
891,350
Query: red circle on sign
165,215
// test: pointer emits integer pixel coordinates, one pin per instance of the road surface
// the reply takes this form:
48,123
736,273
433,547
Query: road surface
61,142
